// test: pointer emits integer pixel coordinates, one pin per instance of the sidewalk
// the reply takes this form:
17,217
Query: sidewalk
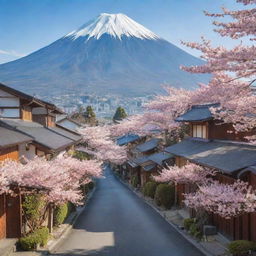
58,234
7,246
214,246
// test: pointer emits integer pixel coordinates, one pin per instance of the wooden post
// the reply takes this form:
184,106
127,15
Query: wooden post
50,218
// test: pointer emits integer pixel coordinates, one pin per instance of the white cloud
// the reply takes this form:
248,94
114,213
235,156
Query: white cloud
11,53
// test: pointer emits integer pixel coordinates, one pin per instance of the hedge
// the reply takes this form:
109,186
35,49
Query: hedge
165,195
60,214
188,222
195,231
241,247
33,207
38,237
149,189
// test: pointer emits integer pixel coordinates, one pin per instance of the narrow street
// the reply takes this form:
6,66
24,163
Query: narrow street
116,222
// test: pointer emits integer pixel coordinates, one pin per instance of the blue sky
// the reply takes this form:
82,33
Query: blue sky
28,25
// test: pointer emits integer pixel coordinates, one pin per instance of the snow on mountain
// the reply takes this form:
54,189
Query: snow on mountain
110,55
116,25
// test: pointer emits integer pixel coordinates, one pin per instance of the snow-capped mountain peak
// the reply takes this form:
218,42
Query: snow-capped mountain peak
116,25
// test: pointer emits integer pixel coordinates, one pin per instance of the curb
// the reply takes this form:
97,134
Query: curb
192,241
10,249
67,230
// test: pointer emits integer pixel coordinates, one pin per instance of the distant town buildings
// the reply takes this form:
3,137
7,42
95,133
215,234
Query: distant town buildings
104,106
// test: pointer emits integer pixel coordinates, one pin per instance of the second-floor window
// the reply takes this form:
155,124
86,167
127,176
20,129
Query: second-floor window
199,131
9,105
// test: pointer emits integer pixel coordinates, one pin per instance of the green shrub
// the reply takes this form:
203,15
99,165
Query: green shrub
194,231
38,237
81,155
165,195
29,243
60,213
149,189
188,222
33,208
43,234
241,247
135,181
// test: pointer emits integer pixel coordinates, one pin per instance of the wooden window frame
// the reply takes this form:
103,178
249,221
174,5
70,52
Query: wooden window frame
199,130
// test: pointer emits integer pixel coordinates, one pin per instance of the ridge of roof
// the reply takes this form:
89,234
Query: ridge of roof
29,97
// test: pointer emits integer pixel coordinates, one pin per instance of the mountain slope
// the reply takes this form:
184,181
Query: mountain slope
112,54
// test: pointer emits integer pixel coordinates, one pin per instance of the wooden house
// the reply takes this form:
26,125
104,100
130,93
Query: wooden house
138,157
27,128
211,144
10,207
130,141
152,164
146,160
37,119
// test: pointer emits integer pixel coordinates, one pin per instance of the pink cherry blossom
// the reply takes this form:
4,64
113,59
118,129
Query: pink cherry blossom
187,174
226,200
101,144
59,179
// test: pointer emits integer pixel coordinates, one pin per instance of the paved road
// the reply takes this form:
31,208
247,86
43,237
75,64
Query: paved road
117,223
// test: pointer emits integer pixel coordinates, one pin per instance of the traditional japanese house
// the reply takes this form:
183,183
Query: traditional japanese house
156,162
27,128
10,207
216,145
128,140
35,118
45,116
141,151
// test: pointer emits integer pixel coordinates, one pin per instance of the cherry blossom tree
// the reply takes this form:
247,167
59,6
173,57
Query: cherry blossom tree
159,114
187,174
226,200
101,144
233,70
240,59
59,179
53,182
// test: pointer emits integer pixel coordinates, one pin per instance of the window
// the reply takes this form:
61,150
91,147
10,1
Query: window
199,131
10,112
9,106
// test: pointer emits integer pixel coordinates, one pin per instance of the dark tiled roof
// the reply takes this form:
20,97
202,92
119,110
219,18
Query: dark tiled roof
148,145
222,155
144,162
158,158
65,117
9,137
141,160
124,140
40,134
149,167
197,113
132,164
69,135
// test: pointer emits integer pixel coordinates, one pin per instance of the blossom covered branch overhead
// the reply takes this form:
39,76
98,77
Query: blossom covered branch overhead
60,179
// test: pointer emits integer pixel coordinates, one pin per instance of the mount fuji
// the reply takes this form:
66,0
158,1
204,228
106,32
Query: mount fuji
111,54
